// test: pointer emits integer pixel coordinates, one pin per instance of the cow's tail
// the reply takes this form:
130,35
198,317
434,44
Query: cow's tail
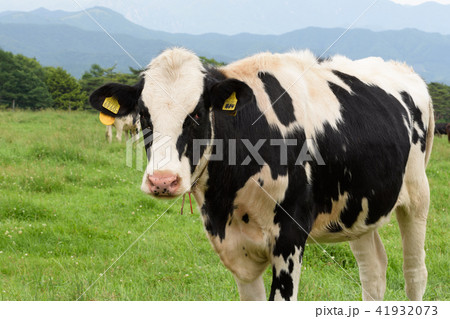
430,132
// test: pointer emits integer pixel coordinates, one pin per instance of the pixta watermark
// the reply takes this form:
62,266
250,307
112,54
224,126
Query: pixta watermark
220,150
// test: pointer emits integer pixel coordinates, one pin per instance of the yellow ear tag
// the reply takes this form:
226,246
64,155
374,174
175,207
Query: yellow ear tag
106,119
230,103
111,104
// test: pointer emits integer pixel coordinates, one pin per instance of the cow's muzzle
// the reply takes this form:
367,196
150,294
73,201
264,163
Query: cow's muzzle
163,184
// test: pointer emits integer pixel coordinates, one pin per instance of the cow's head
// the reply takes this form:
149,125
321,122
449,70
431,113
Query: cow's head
176,98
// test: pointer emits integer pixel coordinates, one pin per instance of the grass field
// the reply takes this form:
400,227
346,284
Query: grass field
70,207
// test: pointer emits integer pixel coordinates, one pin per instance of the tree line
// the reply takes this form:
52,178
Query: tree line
26,84
440,93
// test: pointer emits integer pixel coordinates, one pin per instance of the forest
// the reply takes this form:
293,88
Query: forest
26,84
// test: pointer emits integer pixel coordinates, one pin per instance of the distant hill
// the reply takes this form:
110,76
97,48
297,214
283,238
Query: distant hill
113,21
276,17
74,41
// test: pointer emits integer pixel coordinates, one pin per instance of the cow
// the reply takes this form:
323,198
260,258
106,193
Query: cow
440,128
280,150
128,124
447,128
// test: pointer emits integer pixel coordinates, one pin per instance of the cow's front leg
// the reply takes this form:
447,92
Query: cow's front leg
251,290
286,274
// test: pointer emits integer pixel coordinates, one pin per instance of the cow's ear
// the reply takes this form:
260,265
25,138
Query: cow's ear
230,95
116,99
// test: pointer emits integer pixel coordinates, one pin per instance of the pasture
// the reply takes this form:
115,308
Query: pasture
70,208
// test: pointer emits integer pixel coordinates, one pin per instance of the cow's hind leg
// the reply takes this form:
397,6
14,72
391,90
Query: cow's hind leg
412,220
413,230
372,262
412,213
251,290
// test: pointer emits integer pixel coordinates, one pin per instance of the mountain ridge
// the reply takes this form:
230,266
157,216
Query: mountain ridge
68,45
270,17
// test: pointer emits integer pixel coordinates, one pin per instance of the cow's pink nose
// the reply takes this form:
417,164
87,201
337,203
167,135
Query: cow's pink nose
163,184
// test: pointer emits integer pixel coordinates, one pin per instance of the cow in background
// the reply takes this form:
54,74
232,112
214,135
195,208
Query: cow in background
440,128
129,124
447,128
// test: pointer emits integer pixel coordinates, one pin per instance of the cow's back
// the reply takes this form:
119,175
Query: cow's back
368,118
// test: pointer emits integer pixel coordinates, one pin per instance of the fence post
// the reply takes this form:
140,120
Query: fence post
13,104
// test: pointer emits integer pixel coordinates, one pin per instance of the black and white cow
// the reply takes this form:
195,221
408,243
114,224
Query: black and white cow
368,129
128,124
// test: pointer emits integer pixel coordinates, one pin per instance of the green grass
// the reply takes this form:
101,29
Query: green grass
70,207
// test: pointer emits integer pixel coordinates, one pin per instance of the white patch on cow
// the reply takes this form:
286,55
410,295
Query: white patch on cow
408,126
419,130
412,179
173,86
308,172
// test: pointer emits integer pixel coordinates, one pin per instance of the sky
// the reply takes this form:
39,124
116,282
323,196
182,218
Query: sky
74,5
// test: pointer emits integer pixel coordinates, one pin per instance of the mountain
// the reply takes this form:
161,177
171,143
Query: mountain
277,17
74,41
89,20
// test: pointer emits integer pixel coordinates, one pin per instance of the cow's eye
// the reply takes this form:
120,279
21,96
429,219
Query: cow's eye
196,116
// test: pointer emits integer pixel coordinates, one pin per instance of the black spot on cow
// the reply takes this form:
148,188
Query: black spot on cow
416,117
291,266
245,218
146,126
376,140
284,283
321,60
260,182
295,214
334,227
280,99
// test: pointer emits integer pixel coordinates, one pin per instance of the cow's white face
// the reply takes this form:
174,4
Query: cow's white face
175,99
173,89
